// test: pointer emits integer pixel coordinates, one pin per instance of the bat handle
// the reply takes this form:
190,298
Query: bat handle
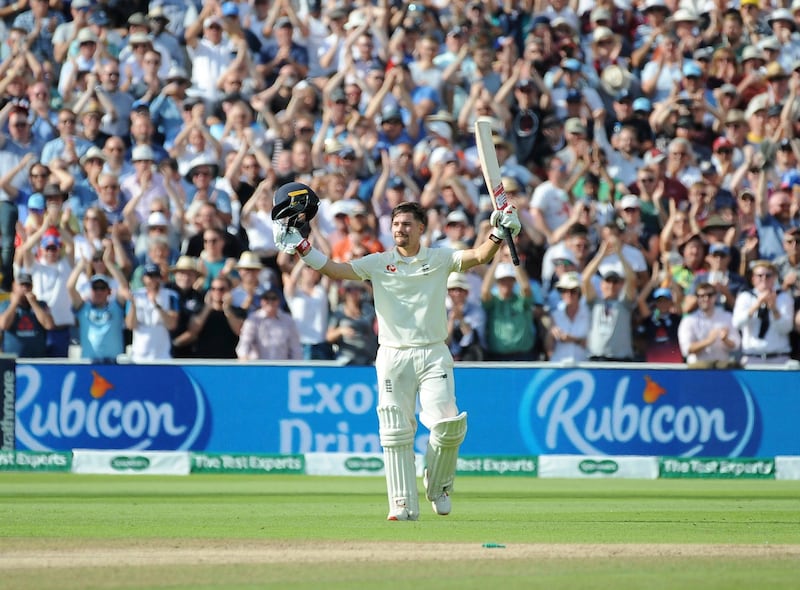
512,247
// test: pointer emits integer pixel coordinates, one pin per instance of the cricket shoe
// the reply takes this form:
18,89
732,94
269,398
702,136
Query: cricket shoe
441,503
401,514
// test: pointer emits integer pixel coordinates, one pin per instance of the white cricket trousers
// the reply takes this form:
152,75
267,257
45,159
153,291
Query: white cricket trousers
403,372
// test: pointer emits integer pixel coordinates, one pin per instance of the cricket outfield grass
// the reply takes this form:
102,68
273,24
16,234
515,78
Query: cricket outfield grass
66,531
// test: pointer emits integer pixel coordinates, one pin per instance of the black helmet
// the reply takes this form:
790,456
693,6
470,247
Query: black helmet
295,205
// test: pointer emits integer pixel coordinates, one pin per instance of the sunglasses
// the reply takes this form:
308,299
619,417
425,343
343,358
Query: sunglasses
99,287
569,291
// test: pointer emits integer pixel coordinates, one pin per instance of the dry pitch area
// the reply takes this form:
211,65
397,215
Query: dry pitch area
26,553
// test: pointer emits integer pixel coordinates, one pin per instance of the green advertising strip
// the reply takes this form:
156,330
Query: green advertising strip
247,463
514,466
721,468
35,461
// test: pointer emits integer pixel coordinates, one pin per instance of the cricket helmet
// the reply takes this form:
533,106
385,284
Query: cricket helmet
295,205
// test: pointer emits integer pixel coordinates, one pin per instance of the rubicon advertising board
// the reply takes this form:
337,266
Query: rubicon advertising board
512,411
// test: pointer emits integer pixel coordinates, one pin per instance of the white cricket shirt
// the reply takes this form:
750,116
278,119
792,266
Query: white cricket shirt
410,295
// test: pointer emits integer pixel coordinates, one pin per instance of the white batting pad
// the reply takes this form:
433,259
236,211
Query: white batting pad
397,439
441,455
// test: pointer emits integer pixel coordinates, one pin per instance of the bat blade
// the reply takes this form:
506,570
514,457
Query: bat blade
491,174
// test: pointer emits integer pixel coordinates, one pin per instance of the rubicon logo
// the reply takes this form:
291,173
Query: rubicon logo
615,412
119,407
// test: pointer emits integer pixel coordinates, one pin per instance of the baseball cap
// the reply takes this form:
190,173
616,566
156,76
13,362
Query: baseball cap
574,95
575,125
391,113
457,216
337,95
569,280
347,152
707,168
612,276
100,278
99,18
151,269
142,153
457,280
137,19
721,142
36,202
691,69
757,103
642,105
50,240
230,9
504,270
685,122
629,202
396,182
662,292
654,156
734,116
52,190
571,64
157,219
24,278
441,129
718,248
752,52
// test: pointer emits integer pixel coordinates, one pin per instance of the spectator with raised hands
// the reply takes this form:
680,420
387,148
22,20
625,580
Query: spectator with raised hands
510,328
50,268
282,50
210,52
101,314
151,314
194,142
765,317
611,307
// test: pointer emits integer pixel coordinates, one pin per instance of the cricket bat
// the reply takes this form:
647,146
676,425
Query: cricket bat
491,174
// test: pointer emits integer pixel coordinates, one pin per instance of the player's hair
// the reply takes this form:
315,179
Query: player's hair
414,208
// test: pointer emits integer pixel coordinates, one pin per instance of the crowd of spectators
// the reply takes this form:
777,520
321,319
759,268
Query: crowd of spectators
650,147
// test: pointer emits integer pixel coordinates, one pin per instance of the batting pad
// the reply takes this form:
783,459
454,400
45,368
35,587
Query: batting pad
441,455
397,440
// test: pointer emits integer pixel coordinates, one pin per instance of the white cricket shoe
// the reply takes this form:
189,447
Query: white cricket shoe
401,514
441,503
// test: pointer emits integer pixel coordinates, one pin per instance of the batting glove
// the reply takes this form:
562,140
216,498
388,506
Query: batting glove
289,240
505,219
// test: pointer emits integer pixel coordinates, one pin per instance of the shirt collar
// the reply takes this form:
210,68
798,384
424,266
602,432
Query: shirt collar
423,254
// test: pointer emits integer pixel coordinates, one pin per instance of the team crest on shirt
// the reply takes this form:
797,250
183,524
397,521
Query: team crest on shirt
426,268
391,268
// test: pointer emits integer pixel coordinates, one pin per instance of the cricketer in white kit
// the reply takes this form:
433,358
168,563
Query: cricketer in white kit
410,286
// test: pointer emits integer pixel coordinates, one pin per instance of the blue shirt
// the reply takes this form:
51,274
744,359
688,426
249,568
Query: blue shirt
101,330
770,237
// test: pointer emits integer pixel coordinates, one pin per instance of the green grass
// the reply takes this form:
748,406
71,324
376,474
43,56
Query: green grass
52,511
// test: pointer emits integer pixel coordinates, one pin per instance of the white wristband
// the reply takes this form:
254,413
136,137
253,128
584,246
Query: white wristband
315,259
